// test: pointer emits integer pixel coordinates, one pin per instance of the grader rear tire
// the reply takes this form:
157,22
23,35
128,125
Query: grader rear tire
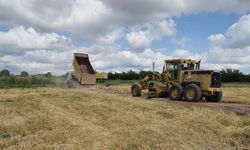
192,92
176,92
136,90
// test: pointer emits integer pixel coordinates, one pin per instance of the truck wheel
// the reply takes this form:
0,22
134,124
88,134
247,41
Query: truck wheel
136,90
214,98
71,83
192,92
176,92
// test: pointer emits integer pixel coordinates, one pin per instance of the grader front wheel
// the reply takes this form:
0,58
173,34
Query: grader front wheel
176,92
136,90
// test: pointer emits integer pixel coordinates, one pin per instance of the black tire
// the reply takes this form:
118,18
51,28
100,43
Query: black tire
72,83
136,90
214,98
196,96
176,92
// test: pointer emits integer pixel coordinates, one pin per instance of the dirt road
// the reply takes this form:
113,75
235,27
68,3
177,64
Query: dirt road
239,109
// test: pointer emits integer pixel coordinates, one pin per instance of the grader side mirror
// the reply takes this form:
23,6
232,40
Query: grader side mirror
198,64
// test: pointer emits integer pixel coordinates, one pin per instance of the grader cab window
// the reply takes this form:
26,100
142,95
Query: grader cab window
187,66
172,68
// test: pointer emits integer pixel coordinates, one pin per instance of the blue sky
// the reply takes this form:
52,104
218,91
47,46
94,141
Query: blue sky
198,27
39,36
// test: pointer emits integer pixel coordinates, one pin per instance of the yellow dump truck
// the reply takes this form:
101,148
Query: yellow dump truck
83,73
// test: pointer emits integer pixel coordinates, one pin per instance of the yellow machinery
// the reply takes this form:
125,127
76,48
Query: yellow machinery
101,76
182,78
83,73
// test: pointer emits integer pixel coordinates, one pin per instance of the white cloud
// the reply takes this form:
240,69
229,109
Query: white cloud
27,49
22,39
111,37
124,60
38,61
35,45
139,40
181,53
164,28
182,42
91,18
237,35
231,49
216,39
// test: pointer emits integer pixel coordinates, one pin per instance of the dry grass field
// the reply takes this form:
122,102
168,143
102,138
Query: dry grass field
236,95
61,118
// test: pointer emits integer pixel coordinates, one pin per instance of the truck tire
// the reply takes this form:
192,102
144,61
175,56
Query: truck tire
214,98
72,83
176,92
192,92
136,90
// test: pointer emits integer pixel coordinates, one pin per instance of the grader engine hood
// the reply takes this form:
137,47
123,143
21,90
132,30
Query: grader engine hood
205,75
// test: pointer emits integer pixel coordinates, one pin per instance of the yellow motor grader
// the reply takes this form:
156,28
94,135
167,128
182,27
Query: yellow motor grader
181,78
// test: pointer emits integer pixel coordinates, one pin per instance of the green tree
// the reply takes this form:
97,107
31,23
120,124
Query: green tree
48,75
24,74
5,73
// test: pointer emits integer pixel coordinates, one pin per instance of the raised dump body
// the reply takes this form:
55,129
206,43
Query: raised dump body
83,69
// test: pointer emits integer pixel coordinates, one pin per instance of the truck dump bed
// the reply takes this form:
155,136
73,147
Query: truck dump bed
83,69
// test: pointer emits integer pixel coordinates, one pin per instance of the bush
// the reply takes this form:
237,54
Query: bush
25,82
129,75
24,74
5,73
234,75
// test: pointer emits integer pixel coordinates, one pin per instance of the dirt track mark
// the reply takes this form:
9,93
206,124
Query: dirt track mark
239,109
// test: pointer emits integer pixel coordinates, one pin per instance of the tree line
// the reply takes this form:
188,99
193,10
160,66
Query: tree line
228,75
129,75
24,80
234,75
6,73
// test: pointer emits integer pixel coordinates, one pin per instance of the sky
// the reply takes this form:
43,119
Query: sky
41,36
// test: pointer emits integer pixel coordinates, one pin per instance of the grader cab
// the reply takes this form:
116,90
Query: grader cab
182,78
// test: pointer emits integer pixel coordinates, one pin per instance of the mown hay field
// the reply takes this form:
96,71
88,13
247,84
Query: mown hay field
61,118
